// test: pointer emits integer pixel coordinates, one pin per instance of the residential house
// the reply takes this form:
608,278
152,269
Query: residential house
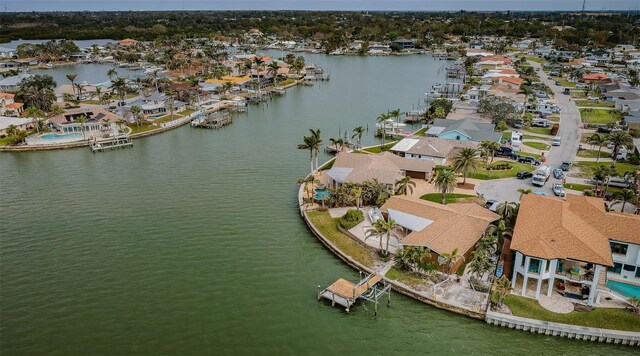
127,42
7,52
156,104
468,129
8,106
440,228
12,84
432,149
575,241
386,167
21,123
96,120
404,43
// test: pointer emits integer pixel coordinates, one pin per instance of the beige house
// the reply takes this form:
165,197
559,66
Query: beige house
386,167
8,106
440,228
437,150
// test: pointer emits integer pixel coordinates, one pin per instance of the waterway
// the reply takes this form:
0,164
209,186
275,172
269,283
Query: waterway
191,241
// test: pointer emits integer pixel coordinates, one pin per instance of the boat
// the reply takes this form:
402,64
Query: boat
375,214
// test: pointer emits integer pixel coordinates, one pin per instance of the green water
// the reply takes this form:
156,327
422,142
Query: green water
191,242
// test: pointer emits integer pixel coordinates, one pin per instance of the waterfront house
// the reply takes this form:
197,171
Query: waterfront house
21,123
127,42
8,106
404,43
575,241
12,84
96,120
440,228
156,104
433,149
7,52
386,167
468,129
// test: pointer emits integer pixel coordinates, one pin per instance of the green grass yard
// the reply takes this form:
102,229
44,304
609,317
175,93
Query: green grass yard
378,149
485,174
328,227
593,154
594,103
606,318
450,198
539,130
537,145
404,277
587,168
598,116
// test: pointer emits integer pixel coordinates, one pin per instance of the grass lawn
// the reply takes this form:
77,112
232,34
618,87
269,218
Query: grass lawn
594,103
404,277
450,198
578,94
565,83
327,165
484,174
421,131
286,82
607,318
537,145
535,59
539,130
186,112
578,187
328,227
132,95
506,135
593,154
596,116
553,118
167,118
143,128
587,168
378,149
7,140
93,102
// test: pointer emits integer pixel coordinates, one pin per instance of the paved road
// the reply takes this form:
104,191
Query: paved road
570,122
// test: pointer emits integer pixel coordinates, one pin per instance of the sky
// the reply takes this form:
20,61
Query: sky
372,5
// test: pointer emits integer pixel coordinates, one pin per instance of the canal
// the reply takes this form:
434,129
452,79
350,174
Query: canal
191,241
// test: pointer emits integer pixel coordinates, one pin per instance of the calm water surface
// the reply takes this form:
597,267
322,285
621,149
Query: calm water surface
191,242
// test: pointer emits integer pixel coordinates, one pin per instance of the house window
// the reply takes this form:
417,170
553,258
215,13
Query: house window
534,265
637,272
629,268
458,137
617,267
618,248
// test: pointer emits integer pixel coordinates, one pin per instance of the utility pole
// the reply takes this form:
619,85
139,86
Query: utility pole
584,2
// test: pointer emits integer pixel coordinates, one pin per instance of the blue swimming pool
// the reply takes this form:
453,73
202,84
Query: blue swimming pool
322,194
627,290
55,136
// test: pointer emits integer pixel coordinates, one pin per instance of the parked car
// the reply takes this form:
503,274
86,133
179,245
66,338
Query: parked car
567,91
524,175
490,203
558,190
529,160
565,166
557,82
558,174
556,141
506,151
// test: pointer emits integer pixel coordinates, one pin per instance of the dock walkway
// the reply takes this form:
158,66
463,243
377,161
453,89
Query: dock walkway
346,293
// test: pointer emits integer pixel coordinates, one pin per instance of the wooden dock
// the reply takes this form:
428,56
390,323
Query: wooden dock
345,293
121,141
215,121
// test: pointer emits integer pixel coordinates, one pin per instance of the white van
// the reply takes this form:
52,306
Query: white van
556,141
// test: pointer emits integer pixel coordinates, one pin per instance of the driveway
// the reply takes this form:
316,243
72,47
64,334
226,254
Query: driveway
570,122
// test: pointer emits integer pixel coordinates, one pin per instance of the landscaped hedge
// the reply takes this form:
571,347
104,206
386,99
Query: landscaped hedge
351,218
500,166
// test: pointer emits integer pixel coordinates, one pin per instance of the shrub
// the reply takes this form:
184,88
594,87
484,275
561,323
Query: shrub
351,218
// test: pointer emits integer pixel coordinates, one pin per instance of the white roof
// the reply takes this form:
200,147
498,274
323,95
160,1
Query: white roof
435,130
411,222
339,174
405,144
6,121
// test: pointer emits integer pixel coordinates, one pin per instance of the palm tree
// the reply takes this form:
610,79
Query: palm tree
404,185
445,182
383,119
502,286
384,228
273,69
98,93
449,259
34,113
310,179
506,210
356,194
479,263
599,140
524,191
135,112
112,73
72,78
81,120
490,147
624,196
358,132
11,130
619,139
466,160
396,113
119,85
338,143
315,135
312,143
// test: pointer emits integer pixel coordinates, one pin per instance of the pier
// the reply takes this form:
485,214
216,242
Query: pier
212,122
345,293
121,141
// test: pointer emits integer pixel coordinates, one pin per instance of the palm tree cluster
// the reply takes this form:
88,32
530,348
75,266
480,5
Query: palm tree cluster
383,230
370,192
466,161
37,91
413,259
616,139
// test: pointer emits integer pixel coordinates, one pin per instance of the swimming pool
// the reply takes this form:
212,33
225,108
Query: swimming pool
322,194
157,116
55,136
627,290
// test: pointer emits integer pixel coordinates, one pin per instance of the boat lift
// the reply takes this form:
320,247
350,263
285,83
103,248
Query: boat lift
345,293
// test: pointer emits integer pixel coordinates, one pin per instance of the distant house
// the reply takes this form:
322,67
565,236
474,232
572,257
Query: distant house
96,120
12,84
440,228
432,149
7,52
386,167
633,120
575,241
404,43
8,106
128,42
594,76
464,130
21,123
156,103
621,94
